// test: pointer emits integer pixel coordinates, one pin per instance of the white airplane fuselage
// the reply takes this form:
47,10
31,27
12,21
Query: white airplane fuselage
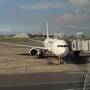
57,47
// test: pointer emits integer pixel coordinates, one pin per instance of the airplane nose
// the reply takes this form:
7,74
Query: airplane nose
61,51
66,50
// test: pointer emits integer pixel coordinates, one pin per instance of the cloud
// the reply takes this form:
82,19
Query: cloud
81,3
6,30
65,19
80,6
73,21
39,6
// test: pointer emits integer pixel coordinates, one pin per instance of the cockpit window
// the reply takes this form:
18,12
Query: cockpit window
65,45
59,45
62,45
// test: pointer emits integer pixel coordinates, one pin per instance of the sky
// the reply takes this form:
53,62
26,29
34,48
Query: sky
30,16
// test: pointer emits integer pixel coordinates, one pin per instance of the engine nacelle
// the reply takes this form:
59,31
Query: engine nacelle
35,52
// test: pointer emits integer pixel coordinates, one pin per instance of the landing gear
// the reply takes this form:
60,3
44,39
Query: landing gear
41,55
61,60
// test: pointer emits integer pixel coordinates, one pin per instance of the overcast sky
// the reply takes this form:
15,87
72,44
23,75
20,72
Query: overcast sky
64,16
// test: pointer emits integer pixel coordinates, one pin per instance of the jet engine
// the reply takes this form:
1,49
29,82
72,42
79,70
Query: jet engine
36,52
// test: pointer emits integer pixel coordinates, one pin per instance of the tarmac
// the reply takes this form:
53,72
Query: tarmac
49,81
19,71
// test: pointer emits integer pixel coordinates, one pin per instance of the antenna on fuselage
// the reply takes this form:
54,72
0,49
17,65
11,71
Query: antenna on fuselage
47,31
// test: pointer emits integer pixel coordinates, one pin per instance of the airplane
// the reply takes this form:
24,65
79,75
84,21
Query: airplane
56,47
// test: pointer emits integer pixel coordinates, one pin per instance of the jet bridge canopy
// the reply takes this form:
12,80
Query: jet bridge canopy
80,45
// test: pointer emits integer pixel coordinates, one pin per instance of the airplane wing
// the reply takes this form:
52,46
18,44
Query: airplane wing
23,45
16,44
34,47
41,48
28,46
36,41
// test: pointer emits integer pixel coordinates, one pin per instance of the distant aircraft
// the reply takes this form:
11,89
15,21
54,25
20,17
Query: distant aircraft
56,47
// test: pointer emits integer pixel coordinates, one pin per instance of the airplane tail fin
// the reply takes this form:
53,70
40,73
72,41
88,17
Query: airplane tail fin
47,31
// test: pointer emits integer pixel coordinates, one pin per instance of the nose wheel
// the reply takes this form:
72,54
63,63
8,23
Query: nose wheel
61,60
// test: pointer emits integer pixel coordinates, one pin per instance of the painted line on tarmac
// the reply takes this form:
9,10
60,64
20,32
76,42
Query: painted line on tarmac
69,82
73,89
77,89
17,44
75,72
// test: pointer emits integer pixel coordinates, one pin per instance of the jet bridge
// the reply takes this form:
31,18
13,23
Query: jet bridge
80,46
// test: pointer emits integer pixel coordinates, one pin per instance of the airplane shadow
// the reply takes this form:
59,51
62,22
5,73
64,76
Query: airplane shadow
77,60
25,54
70,59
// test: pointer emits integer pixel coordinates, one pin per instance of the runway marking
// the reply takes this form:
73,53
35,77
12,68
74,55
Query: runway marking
45,83
85,82
70,89
75,72
32,84
77,89
74,89
17,44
